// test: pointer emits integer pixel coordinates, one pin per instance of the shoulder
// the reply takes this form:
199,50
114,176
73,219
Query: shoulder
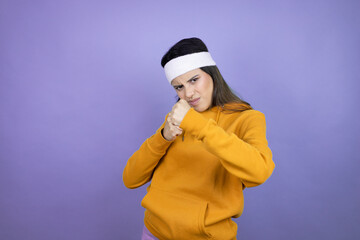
243,115
243,121
251,113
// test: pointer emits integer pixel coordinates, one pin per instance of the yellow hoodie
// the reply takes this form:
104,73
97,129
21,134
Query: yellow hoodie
197,180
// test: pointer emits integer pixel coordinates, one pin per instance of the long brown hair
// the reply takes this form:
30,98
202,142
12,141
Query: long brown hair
223,96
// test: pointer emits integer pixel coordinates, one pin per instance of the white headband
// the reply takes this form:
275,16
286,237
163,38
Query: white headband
186,63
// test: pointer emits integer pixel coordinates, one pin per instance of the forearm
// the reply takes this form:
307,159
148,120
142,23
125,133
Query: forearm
248,157
142,163
250,161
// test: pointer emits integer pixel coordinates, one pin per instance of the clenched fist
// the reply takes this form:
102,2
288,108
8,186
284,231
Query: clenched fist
172,129
179,111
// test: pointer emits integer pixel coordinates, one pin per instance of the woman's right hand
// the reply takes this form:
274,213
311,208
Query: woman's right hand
171,131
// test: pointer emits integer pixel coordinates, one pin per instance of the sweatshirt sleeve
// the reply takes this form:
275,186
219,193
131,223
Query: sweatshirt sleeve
142,163
248,157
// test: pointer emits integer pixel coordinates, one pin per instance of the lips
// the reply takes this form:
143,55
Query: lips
194,102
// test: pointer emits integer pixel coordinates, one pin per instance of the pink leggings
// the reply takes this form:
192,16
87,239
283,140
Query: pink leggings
146,235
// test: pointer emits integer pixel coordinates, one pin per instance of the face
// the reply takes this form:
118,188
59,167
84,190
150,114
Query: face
196,87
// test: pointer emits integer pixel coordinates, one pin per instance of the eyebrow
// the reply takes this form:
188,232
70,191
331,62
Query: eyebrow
186,81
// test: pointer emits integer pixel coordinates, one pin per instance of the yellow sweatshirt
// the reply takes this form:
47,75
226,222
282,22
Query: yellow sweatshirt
197,180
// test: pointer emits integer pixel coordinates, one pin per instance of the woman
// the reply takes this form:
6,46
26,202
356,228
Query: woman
211,146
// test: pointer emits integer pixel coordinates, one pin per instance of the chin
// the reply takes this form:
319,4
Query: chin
200,108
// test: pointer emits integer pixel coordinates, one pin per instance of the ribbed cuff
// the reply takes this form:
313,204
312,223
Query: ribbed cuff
158,143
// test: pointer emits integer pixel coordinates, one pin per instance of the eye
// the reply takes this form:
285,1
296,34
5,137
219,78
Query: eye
194,80
177,88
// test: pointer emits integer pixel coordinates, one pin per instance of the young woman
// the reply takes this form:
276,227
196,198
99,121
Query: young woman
211,146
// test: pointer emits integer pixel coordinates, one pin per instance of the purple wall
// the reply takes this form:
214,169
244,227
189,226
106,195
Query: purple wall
81,87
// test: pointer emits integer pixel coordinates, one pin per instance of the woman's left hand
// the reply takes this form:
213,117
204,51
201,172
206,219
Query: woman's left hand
179,111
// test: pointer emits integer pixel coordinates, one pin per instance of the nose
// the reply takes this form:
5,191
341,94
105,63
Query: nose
189,92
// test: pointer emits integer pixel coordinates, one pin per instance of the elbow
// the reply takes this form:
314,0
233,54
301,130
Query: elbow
261,176
267,173
131,182
128,181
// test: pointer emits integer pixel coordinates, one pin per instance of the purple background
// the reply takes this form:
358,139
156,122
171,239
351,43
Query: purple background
81,87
